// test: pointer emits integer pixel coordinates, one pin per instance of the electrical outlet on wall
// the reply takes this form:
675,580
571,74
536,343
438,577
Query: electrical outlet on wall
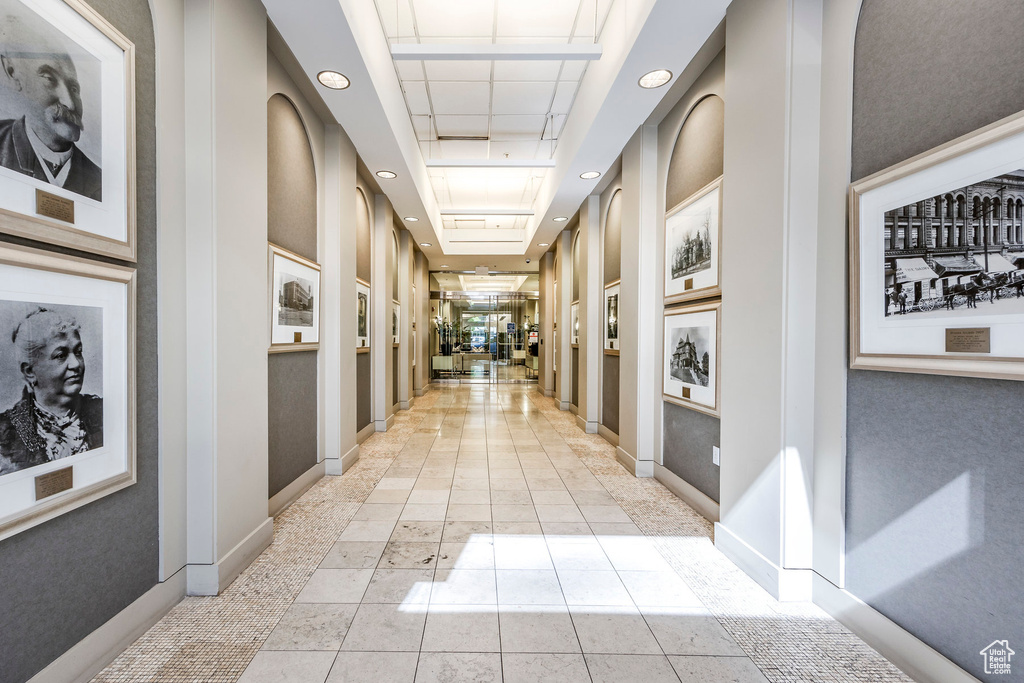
716,455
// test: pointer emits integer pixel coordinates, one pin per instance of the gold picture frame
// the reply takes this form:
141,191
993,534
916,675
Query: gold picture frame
294,298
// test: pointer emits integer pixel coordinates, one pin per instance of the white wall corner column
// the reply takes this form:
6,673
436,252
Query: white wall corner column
338,312
421,337
640,308
380,315
591,309
404,296
563,392
545,319
228,330
770,219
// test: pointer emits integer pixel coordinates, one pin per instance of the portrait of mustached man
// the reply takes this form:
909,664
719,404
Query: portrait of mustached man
40,81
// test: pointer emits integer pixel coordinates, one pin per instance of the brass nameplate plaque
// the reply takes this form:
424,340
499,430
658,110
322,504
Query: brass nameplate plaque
55,482
688,284
297,337
968,340
686,392
52,206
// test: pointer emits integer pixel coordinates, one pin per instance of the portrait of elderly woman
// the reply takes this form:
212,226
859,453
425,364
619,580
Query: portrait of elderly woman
53,418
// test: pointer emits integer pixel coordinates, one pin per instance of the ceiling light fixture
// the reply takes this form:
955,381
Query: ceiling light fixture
655,79
387,175
560,219
590,175
444,266
333,80
542,244
426,244
411,219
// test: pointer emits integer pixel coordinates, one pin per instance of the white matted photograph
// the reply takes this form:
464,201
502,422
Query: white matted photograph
574,316
396,321
937,250
294,302
362,315
693,237
692,364
67,127
611,319
67,384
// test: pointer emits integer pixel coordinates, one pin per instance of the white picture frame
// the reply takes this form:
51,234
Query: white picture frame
91,303
362,316
88,204
574,316
693,253
923,228
692,364
611,318
396,323
294,293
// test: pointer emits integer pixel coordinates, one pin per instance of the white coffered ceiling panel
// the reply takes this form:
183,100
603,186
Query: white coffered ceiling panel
527,71
416,97
448,125
452,97
537,18
458,71
522,97
504,127
453,18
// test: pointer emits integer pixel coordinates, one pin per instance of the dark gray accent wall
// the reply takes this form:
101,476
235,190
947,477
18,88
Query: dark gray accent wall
63,579
363,378
291,223
575,395
696,156
363,406
610,394
394,374
935,514
612,272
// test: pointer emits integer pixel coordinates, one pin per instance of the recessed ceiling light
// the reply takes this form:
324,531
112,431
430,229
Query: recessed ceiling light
388,175
590,175
655,79
542,244
426,244
560,219
411,219
444,266
333,80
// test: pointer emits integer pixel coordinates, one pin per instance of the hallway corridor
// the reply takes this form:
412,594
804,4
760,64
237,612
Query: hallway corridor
486,538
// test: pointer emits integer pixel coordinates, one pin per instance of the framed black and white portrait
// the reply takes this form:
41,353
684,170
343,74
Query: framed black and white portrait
362,315
692,362
574,316
294,302
611,319
693,237
67,127
937,250
67,384
396,321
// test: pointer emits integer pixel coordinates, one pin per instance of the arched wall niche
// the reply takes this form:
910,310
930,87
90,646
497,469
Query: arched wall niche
612,267
363,233
574,352
699,152
613,238
364,271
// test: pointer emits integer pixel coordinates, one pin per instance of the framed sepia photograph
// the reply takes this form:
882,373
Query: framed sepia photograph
294,302
937,250
67,384
362,315
574,316
396,321
692,363
693,238
67,127
611,319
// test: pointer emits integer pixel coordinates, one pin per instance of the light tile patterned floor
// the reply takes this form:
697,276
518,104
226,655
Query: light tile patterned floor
487,538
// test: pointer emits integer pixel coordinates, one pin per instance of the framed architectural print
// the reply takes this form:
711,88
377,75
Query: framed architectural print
692,363
937,247
67,127
67,384
611,319
693,238
294,302
574,316
396,321
362,316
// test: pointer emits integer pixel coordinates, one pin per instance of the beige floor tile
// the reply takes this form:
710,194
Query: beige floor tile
469,513
513,513
418,531
409,555
374,667
429,512
288,667
467,532
689,631
469,555
537,628
613,630
445,667
544,668
620,668
335,585
399,586
354,555
593,588
529,587
464,587
385,628
511,498
359,530
461,630
717,670
311,627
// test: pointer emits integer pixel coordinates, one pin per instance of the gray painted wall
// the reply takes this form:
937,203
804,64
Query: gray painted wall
364,378
575,396
612,272
696,157
935,515
364,408
610,394
63,579
292,224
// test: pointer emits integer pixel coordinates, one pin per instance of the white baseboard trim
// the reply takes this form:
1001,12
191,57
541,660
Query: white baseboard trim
688,493
563,405
385,424
785,585
290,493
549,392
365,433
913,656
638,468
211,579
339,466
574,409
420,392
588,427
89,656
609,436
404,405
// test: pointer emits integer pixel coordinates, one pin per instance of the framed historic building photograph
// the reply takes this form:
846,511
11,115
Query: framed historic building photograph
294,302
692,363
67,384
937,250
693,238
574,316
362,315
67,127
611,319
396,321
